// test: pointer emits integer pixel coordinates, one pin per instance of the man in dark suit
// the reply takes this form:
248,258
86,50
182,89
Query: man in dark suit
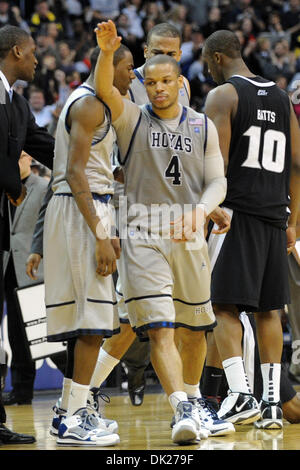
18,131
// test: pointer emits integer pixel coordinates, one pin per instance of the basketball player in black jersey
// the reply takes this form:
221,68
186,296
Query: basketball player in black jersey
260,143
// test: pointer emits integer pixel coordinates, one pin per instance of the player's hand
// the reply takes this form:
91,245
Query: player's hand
222,219
32,265
107,37
116,246
119,174
105,257
184,228
20,199
290,238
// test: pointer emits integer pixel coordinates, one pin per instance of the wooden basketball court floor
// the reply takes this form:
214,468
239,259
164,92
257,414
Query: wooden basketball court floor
146,427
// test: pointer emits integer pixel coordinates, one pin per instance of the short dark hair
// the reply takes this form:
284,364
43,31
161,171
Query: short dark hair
223,41
118,56
166,30
162,59
11,36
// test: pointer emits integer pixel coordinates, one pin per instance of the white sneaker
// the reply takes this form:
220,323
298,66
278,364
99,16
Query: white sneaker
109,424
59,415
210,420
80,430
186,430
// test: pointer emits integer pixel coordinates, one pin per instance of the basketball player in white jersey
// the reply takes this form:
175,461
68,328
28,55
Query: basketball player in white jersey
170,155
80,254
163,38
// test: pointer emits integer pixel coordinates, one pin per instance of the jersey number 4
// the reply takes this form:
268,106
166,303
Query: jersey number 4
173,170
273,149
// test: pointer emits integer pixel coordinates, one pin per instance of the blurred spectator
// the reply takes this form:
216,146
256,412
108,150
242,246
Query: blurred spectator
177,16
66,57
283,62
11,15
107,9
80,36
291,22
45,77
275,27
197,11
281,82
246,10
41,111
42,15
190,49
131,10
154,11
75,8
248,47
214,22
263,51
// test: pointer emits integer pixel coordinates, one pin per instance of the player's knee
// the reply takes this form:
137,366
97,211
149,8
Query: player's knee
91,340
161,336
189,337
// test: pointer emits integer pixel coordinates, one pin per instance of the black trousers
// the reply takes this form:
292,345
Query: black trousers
2,410
22,368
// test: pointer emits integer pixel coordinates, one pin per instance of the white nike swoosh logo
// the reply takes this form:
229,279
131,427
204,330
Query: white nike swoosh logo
239,408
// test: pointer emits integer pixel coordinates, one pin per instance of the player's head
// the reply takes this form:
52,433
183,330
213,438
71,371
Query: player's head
163,38
18,47
220,49
162,81
123,67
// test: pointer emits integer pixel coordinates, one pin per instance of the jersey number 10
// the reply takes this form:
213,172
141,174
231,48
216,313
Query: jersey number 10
273,150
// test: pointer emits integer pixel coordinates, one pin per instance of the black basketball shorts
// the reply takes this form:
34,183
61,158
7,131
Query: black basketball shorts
249,268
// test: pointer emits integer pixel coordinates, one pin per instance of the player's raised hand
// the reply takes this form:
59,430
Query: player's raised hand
107,36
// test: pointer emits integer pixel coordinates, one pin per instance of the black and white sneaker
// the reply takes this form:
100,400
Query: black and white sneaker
186,430
271,416
239,408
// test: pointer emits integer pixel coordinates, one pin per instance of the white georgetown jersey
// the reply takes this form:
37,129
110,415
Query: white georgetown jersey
163,164
98,169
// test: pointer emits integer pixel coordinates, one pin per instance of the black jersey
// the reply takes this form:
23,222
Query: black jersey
259,164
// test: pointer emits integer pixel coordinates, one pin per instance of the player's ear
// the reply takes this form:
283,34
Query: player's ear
218,57
180,81
145,51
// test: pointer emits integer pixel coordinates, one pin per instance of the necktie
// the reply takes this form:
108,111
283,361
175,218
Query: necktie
10,92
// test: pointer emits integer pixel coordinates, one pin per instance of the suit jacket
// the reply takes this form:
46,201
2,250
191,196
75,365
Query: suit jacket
22,228
18,131
38,234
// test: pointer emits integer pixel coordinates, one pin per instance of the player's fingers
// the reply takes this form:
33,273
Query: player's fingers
30,270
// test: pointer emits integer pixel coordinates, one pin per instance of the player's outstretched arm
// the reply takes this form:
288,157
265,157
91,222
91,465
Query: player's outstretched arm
108,41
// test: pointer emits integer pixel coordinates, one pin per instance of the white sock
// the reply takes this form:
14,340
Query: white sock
236,375
192,391
176,397
65,393
78,397
271,381
105,364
